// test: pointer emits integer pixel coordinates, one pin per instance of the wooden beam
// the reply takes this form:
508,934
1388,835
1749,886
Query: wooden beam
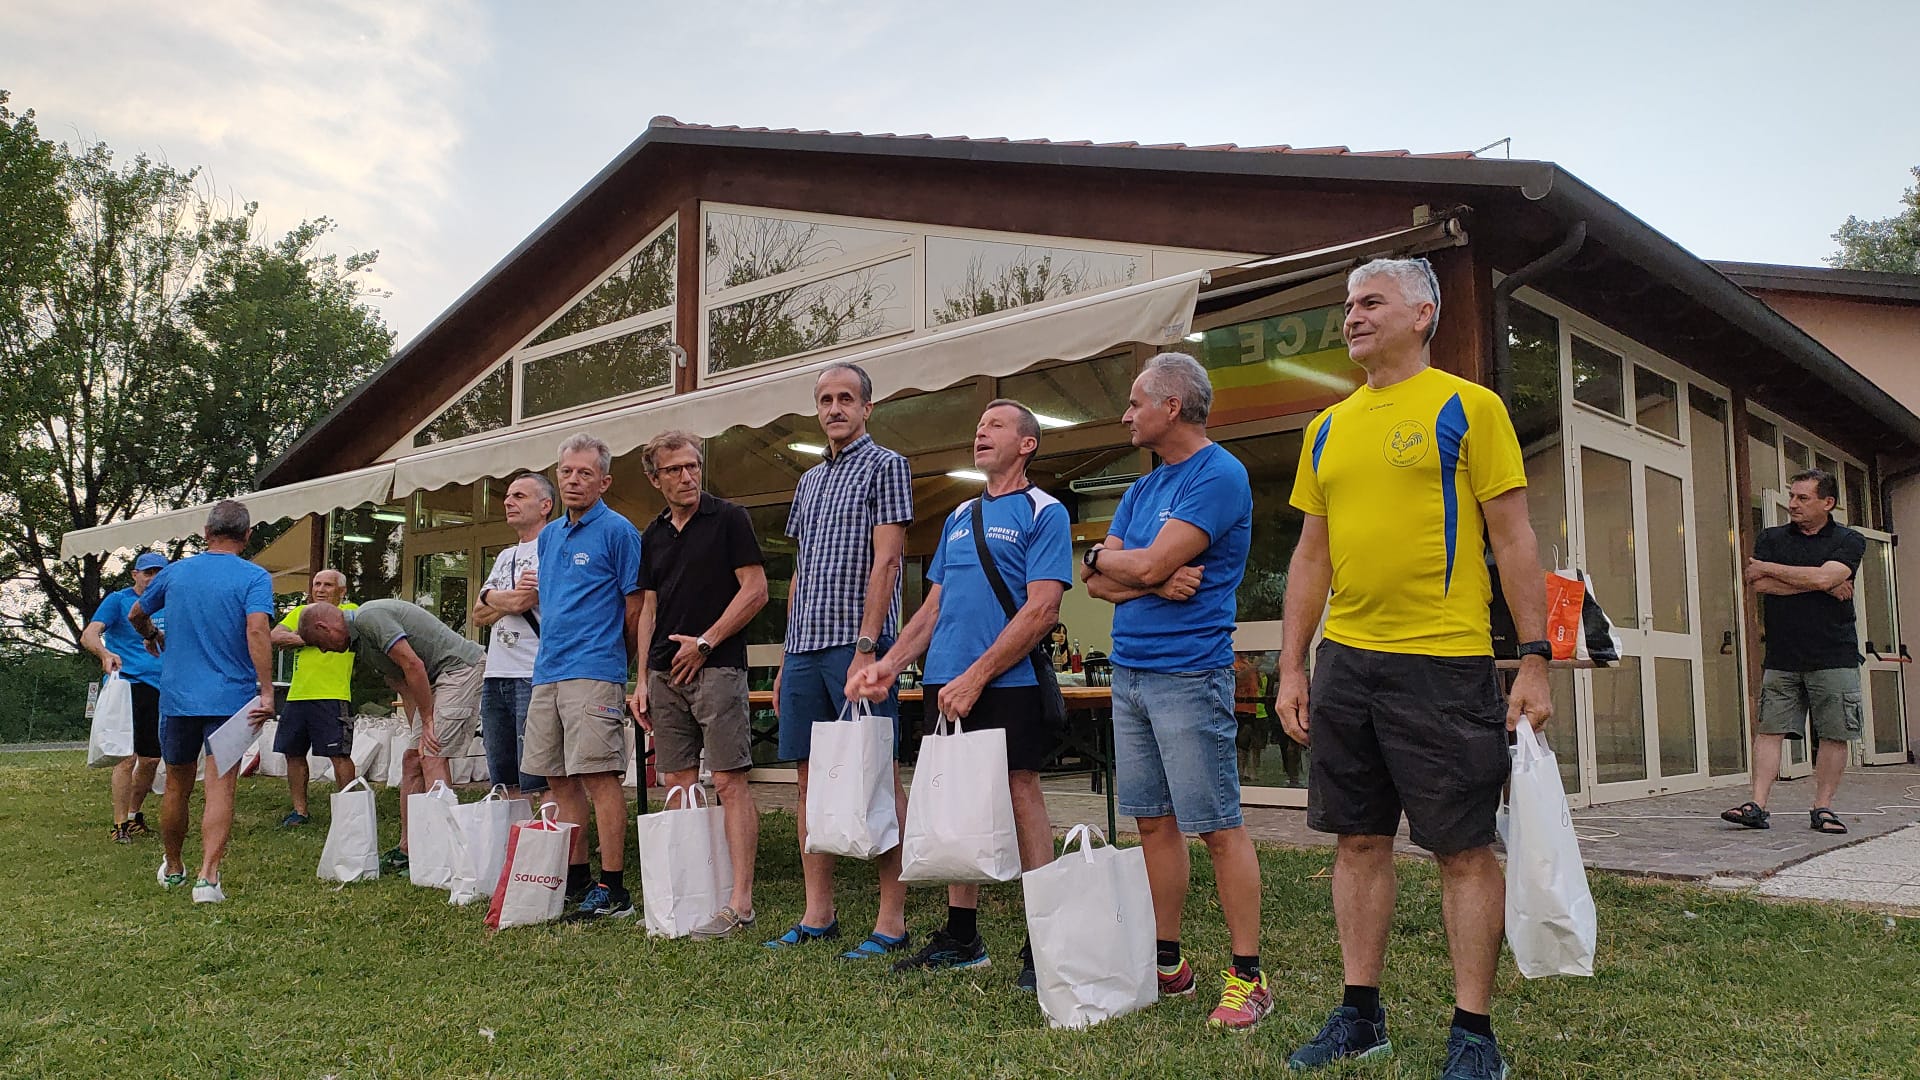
1463,344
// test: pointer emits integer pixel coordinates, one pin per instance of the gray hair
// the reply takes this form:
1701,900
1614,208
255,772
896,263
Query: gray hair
866,381
1177,375
1415,278
318,574
583,443
229,520
674,439
1028,425
540,481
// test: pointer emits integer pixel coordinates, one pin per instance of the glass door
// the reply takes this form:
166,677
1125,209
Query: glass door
1876,603
1643,718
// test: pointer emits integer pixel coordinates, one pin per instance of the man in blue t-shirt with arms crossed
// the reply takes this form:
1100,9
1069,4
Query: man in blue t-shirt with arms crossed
980,661
1171,564
218,658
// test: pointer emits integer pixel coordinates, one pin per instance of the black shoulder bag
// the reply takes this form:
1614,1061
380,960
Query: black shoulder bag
1053,707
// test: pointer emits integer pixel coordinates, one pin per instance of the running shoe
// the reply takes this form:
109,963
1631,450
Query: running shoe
602,902
1472,1057
122,833
944,952
801,934
207,892
166,880
1176,981
725,923
1346,1036
1029,980
138,825
294,820
393,862
878,946
1243,1002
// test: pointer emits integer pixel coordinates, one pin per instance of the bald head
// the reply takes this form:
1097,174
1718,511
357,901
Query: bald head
324,626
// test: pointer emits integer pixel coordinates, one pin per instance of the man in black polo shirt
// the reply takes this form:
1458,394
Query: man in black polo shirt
702,579
1805,570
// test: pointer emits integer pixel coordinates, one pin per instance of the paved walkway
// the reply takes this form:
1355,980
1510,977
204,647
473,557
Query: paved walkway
1883,871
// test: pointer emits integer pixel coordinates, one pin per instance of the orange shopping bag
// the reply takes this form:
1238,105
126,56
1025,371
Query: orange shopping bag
1565,597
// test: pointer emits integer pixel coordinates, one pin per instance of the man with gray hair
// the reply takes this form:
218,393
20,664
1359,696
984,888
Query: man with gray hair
1399,483
513,613
588,579
1171,564
218,661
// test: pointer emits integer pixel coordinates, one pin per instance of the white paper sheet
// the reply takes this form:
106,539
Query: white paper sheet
229,741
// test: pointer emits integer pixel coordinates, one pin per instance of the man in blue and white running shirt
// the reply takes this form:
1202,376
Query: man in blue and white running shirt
1171,564
980,663
219,609
112,639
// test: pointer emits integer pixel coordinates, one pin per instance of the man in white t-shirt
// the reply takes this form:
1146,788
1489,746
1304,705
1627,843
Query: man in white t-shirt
514,615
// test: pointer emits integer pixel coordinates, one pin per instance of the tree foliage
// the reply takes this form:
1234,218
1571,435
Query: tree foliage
157,352
1890,244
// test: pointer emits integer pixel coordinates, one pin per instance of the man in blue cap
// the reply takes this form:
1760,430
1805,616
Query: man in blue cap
112,639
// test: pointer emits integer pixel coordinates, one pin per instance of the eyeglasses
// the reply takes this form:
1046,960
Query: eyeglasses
675,472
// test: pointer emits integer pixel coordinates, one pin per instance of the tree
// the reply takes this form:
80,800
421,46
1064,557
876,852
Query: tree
1890,245
157,352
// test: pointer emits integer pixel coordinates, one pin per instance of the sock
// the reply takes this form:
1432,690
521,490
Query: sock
1475,1023
613,879
577,875
1167,954
1364,1000
1247,967
963,923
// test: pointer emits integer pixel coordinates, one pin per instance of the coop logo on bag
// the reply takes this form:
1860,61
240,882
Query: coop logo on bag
549,881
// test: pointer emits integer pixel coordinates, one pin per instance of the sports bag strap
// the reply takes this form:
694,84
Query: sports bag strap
1000,590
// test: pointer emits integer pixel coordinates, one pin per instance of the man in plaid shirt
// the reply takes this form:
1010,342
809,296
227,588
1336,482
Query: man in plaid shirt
850,516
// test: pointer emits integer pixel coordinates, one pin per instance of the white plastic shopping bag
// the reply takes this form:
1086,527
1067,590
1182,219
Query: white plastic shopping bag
404,740
850,805
352,851
1090,921
271,762
1551,922
686,867
484,828
369,750
433,839
111,740
533,880
960,810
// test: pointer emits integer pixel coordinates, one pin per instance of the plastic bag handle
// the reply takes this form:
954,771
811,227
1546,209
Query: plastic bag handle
1529,745
947,725
687,793
548,819
496,793
855,709
1084,834
359,782
439,785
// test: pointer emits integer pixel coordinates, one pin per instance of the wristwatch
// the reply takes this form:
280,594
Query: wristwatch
865,645
703,645
1092,557
1540,649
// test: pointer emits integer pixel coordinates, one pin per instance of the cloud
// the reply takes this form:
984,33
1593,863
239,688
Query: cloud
350,109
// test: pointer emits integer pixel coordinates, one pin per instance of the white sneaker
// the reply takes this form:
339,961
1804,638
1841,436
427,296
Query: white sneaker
162,876
207,892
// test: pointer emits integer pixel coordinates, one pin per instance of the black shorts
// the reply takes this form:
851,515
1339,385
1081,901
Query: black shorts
1390,732
146,719
1013,709
319,725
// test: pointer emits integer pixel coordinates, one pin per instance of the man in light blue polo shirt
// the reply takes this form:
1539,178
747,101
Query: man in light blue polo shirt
112,639
218,608
588,582
1171,564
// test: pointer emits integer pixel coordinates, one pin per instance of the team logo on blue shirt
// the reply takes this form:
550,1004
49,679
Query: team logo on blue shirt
1407,443
960,533
581,558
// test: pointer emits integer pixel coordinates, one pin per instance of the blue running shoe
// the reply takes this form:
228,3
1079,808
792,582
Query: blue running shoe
943,952
1346,1036
1472,1057
1029,979
801,934
877,945
602,903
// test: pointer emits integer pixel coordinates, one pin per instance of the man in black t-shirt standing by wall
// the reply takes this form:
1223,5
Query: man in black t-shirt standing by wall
702,579
1805,571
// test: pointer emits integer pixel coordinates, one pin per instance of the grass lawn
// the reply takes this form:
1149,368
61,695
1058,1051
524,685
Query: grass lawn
104,974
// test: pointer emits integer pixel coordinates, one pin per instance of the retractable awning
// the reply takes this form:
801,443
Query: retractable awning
1154,313
271,504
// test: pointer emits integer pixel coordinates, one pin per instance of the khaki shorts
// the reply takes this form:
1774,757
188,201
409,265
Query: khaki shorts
456,704
576,727
1829,697
711,712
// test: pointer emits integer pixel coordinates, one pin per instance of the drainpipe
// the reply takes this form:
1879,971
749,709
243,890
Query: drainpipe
1503,301
1887,484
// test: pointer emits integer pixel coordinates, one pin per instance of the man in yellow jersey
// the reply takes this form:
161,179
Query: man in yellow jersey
1397,483
318,701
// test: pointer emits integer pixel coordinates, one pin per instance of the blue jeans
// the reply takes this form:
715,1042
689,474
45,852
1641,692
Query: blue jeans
813,689
1173,743
503,727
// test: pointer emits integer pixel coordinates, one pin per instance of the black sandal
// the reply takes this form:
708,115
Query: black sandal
1826,821
1750,814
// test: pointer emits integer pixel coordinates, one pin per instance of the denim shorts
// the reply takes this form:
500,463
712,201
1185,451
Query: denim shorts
503,727
813,689
1173,744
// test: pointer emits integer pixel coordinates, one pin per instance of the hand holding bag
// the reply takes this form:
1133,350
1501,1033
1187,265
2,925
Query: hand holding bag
960,811
686,866
433,839
352,851
850,805
111,739
1090,921
533,879
1552,926
484,828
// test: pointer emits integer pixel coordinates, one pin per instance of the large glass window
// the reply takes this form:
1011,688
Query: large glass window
970,278
849,307
769,626
1088,392
1717,551
1533,343
1763,468
486,406
1598,378
1656,402
644,284
440,586
605,369
1271,461
744,248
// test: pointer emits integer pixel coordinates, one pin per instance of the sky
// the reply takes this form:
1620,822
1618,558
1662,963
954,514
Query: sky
442,132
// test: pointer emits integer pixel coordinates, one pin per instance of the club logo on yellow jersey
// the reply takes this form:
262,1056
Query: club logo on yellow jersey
1407,443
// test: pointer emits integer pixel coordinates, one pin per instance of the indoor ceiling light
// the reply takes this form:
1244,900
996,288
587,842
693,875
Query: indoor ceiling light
1053,421
808,448
389,515
356,538
1196,337
975,475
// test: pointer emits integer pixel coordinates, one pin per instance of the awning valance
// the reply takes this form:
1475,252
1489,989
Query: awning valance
293,500
1155,313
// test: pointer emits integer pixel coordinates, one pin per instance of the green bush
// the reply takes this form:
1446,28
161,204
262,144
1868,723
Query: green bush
43,695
